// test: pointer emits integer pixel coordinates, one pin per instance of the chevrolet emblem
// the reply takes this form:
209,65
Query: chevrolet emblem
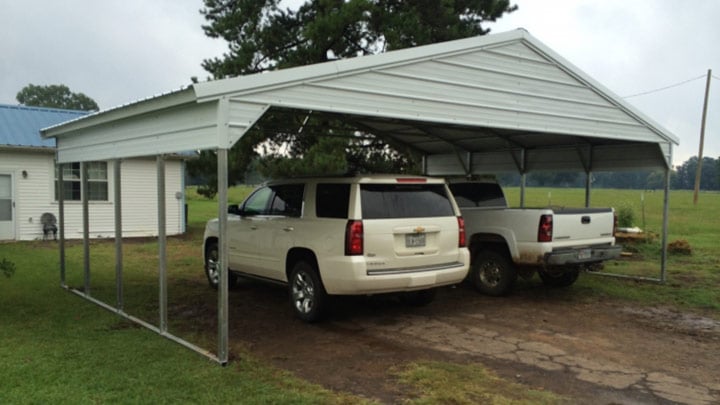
419,229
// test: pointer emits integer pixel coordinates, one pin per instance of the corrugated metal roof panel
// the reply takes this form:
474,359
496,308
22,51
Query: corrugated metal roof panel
497,93
20,125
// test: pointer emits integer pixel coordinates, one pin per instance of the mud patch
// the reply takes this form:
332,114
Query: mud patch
671,319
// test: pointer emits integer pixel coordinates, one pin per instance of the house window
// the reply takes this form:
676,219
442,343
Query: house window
72,176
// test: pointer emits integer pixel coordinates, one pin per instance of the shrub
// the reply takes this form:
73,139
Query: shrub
626,217
7,267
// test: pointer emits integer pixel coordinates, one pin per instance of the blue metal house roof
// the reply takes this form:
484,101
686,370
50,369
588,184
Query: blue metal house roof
20,125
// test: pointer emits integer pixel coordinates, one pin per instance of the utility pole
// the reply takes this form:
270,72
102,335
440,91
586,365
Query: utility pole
702,139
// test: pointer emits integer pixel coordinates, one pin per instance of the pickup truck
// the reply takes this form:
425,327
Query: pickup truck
557,243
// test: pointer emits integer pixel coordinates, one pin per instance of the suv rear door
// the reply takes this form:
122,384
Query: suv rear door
408,226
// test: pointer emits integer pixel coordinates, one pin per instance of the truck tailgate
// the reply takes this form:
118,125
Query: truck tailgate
577,225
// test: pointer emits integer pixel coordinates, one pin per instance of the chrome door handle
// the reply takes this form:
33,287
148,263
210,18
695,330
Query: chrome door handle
288,229
253,227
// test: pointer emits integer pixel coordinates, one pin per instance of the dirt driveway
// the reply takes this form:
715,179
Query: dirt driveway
591,351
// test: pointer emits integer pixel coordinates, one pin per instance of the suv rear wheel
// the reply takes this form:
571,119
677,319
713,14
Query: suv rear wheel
307,294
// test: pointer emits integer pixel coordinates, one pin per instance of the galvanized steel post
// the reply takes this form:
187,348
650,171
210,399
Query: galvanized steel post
61,219
666,214
86,226
523,177
223,317
588,186
162,243
118,235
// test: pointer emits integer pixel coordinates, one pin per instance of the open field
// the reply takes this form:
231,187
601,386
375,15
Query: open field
55,347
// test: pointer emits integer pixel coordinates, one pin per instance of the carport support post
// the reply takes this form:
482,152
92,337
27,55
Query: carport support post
666,213
523,176
588,186
162,243
61,219
86,226
223,318
118,235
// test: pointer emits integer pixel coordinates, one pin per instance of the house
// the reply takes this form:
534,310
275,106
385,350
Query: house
28,188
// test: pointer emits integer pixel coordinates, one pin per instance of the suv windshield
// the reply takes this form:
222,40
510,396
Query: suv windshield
404,201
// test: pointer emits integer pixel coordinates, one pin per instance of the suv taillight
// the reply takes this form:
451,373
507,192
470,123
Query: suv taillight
545,230
461,232
354,238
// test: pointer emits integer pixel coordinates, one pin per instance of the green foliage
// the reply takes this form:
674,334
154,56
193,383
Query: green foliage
7,267
626,216
55,96
326,156
262,35
709,177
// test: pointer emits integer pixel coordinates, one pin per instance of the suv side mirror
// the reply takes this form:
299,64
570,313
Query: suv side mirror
234,209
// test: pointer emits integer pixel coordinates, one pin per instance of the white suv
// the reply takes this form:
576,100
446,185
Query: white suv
345,235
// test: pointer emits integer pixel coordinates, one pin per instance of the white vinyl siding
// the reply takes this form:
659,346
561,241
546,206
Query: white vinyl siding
35,195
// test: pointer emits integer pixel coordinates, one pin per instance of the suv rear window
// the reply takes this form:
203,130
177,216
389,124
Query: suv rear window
332,200
404,201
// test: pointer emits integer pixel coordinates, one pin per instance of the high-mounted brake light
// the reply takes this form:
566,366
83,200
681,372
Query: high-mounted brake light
461,232
411,180
545,230
354,238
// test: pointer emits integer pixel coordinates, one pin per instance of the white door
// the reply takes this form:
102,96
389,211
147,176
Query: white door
7,226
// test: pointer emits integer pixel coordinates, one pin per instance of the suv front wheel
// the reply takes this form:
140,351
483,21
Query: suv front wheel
212,268
307,294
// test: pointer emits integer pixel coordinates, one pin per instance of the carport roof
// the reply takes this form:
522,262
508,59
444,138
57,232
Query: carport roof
502,102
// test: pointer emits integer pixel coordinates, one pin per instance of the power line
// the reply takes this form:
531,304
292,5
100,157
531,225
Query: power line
667,87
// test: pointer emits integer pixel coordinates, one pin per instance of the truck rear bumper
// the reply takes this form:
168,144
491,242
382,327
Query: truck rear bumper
582,255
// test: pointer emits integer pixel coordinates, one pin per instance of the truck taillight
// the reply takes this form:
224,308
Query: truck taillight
461,232
354,238
545,230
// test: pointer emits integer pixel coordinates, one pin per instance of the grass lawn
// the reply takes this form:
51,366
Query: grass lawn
58,348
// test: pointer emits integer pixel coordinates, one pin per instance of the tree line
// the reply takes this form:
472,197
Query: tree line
682,177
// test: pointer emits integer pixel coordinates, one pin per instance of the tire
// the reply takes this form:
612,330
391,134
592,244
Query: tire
211,267
419,298
559,278
492,273
307,294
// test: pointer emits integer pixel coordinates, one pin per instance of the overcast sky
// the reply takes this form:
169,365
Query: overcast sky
121,51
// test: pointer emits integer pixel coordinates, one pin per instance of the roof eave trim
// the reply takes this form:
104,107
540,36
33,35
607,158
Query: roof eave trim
183,96
29,149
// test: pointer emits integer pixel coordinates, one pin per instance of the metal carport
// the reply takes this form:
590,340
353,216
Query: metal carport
502,102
